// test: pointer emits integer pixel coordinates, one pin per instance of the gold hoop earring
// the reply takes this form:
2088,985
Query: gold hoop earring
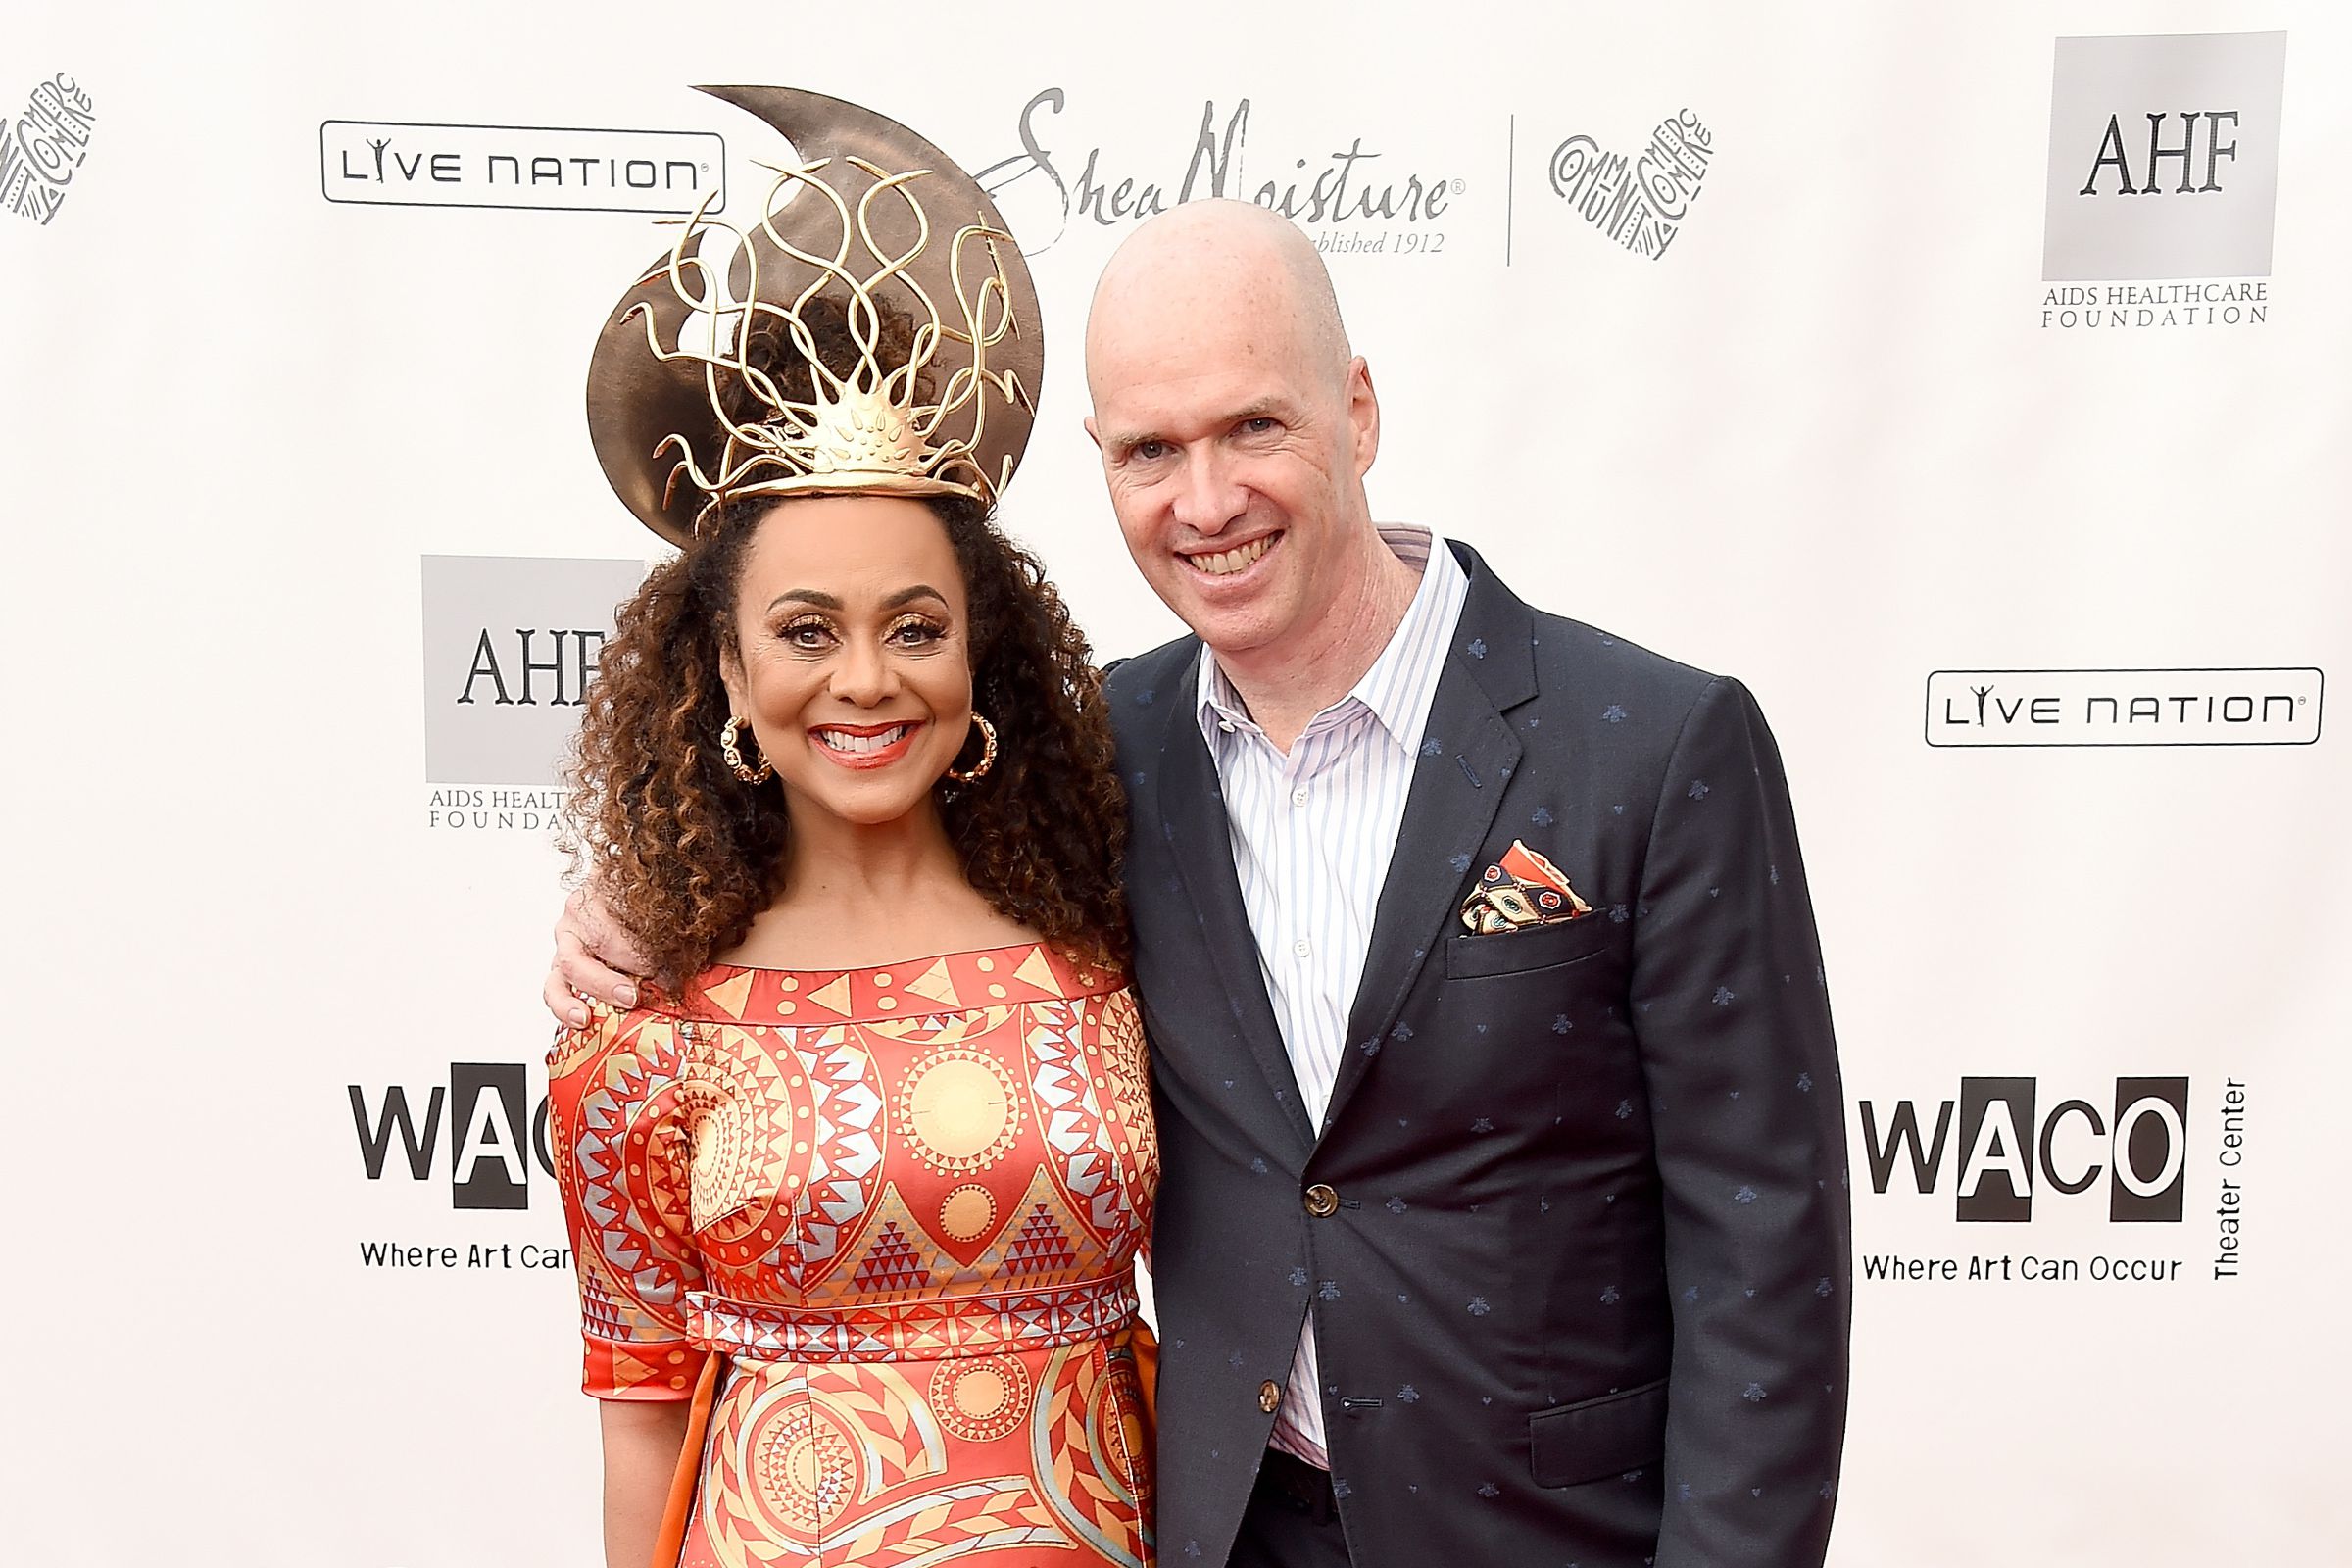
988,755
733,753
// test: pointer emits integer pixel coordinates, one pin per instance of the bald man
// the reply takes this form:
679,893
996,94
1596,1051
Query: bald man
1490,1233
1503,1216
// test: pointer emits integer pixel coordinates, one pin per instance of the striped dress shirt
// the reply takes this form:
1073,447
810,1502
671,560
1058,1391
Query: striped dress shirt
1312,831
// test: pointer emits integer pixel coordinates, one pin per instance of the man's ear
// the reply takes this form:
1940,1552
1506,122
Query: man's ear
1364,414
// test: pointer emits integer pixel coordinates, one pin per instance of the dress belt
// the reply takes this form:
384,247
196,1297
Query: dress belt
922,1328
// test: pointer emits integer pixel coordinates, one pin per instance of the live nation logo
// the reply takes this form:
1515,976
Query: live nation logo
510,644
1997,708
44,147
409,164
2163,180
1355,199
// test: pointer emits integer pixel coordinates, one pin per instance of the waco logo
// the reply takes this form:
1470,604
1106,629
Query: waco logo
495,1134
2005,1149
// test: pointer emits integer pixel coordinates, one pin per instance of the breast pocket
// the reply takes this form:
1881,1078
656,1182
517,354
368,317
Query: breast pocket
1595,1439
1532,947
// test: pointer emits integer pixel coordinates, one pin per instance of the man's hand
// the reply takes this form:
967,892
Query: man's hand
587,941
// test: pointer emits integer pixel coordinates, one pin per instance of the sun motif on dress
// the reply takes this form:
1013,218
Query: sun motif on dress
739,1105
981,1398
967,1213
807,1469
959,1109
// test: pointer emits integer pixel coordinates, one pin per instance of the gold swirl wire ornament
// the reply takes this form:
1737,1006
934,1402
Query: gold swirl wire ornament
868,430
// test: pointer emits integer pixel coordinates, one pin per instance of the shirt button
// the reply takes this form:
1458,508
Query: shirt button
1269,1396
1225,724
1298,795
1302,947
1322,1201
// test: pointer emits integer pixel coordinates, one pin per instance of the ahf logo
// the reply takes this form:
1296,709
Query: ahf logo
2004,1151
2115,157
2164,156
510,647
481,1112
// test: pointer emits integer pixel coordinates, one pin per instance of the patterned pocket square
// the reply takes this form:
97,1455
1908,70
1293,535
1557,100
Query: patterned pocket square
1522,889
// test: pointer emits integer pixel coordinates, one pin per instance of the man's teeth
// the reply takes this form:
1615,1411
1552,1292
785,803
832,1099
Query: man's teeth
859,743
1229,562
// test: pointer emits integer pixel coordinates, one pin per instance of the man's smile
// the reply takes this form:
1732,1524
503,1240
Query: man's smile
1231,561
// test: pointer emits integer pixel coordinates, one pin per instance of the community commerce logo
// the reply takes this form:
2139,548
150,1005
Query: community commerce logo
1354,198
2017,707
1639,202
45,148
2079,1155
409,164
511,647
2163,180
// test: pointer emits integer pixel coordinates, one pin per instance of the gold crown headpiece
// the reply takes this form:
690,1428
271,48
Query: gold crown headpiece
877,224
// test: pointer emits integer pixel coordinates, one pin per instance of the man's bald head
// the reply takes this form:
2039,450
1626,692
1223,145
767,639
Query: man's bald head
1223,261
1236,428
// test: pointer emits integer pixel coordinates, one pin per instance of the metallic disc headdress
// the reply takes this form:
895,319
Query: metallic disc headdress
873,218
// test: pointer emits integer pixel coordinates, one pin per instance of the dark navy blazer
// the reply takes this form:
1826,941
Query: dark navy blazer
1584,1296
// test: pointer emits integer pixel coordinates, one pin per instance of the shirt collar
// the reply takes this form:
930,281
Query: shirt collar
1402,683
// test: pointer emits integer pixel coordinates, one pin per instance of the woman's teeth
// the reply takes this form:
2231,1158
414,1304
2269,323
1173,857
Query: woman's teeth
1226,562
838,740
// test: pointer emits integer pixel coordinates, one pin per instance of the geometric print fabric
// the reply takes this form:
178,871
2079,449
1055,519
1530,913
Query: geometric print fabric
903,1205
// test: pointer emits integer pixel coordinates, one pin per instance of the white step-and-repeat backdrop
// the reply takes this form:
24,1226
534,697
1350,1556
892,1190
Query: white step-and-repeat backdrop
1971,381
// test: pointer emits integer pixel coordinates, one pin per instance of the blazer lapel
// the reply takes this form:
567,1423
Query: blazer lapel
1192,814
1468,752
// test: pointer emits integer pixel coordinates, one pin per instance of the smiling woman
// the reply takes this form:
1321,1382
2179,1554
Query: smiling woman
851,645
857,1184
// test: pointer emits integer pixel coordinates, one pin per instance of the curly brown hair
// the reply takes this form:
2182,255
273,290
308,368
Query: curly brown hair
684,854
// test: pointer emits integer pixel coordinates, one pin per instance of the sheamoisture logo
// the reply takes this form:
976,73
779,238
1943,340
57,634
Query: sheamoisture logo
1351,198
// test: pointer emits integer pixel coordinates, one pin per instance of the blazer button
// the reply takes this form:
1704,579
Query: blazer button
1269,1396
1322,1201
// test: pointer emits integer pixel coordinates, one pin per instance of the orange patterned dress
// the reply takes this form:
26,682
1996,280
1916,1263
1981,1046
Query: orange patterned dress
880,1225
